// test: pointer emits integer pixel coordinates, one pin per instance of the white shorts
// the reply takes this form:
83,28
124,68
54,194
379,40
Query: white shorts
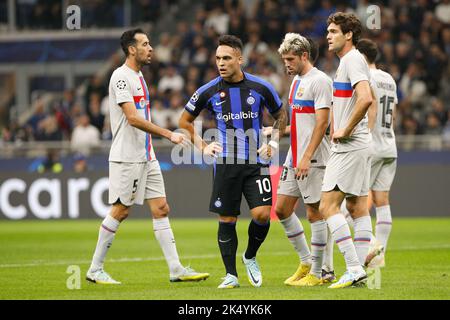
349,171
131,183
308,189
382,173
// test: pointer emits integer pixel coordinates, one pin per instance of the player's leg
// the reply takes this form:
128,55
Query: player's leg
124,190
380,193
319,236
362,225
328,274
155,196
226,202
257,189
287,197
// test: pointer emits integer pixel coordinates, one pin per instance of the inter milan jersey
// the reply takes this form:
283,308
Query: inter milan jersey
238,110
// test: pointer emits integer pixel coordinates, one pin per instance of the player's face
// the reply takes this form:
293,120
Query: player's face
335,37
228,61
143,49
294,63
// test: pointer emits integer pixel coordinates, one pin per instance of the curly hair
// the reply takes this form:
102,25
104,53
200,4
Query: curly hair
348,22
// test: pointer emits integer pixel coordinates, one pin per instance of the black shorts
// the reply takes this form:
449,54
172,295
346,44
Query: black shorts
233,180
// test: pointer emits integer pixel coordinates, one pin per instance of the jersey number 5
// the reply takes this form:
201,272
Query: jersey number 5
387,110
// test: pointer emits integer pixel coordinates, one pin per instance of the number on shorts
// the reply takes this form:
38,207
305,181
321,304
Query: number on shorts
264,185
387,111
135,186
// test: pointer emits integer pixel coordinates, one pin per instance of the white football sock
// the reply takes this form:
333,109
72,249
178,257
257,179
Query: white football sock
384,225
319,230
328,264
296,235
341,233
164,235
363,235
106,235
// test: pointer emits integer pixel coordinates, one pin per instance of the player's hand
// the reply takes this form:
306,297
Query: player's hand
179,138
267,131
302,169
268,150
213,149
341,135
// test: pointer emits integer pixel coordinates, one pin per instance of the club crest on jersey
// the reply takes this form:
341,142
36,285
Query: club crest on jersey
222,94
251,100
299,93
218,203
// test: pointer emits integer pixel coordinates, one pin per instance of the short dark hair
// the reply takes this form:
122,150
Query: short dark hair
314,50
231,41
368,48
127,39
348,22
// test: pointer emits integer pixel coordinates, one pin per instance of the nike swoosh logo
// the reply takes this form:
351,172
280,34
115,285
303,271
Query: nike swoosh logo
267,199
219,103
254,280
139,89
222,241
306,197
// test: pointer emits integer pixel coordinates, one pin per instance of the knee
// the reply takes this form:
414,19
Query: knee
120,214
261,216
227,219
161,211
282,213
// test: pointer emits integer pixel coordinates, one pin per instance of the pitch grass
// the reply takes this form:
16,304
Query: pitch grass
34,257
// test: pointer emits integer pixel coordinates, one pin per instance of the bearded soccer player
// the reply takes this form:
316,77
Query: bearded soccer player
134,172
347,171
237,101
310,100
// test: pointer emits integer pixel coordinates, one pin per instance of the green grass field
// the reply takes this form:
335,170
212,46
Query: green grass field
34,257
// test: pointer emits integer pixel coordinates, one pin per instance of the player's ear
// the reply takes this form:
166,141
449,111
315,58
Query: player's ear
240,59
132,50
349,35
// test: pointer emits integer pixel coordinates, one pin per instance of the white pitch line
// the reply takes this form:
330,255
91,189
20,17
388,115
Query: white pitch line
41,263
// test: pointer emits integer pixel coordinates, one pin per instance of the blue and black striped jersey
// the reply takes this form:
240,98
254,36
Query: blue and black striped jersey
238,110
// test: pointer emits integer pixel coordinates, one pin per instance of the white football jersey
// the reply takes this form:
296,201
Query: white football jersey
383,135
129,144
352,69
307,94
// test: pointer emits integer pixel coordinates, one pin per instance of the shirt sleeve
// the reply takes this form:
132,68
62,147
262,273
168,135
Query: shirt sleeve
357,69
197,103
272,100
395,92
121,88
323,93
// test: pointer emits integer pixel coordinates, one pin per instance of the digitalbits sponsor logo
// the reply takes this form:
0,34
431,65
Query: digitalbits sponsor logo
237,116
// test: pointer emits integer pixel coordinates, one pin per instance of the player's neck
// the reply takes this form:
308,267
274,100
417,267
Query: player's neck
132,64
308,67
237,77
372,66
345,49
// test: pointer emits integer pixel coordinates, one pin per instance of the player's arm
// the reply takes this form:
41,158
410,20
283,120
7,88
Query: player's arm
320,128
372,113
363,101
267,131
279,127
186,123
140,123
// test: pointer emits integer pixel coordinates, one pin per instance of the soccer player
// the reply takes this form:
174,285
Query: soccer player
347,173
384,150
134,172
310,100
237,100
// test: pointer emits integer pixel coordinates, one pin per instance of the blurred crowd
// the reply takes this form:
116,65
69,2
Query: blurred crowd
414,43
